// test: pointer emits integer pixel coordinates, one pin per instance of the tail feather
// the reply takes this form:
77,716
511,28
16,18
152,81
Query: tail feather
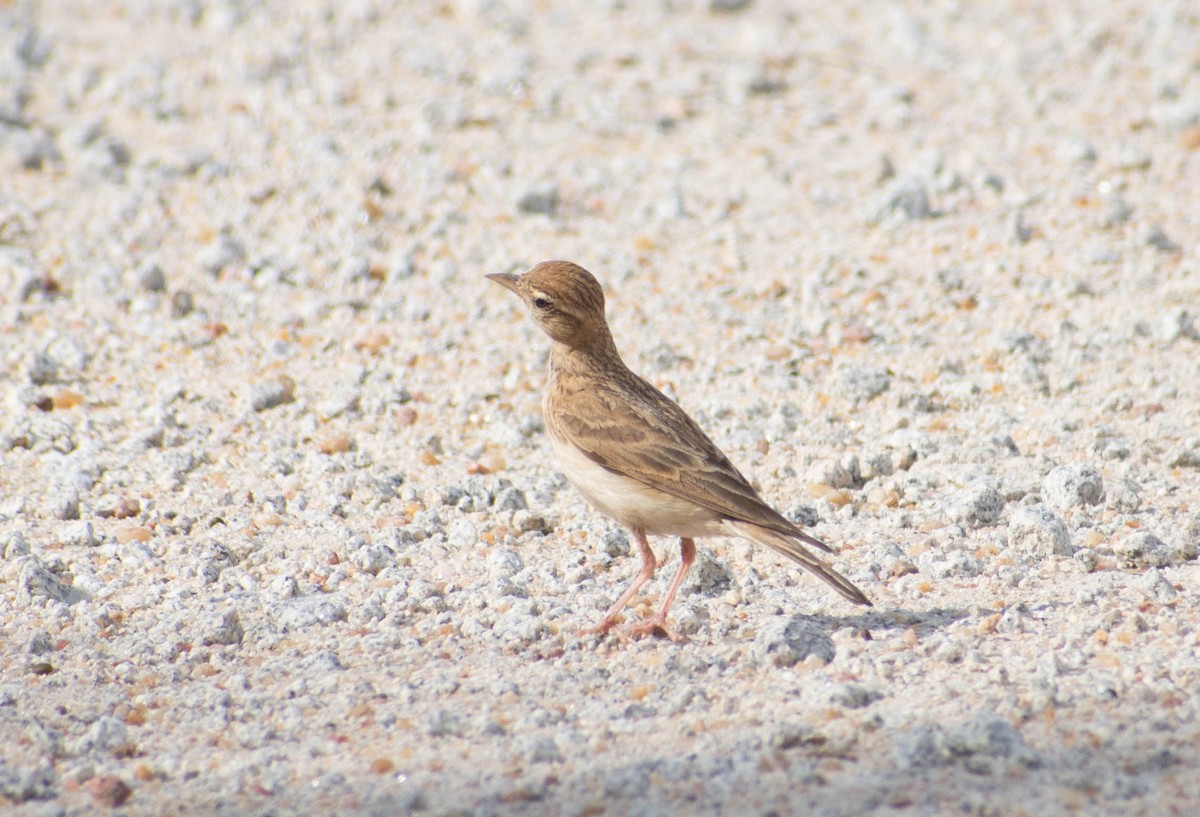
788,546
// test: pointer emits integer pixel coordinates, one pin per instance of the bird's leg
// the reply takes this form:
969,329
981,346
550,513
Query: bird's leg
648,567
658,621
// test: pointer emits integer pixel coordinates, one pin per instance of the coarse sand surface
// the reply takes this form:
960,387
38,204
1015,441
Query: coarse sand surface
280,529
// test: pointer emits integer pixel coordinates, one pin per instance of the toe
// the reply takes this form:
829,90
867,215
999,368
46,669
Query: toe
650,626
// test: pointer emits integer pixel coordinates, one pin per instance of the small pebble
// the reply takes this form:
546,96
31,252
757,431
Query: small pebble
272,393
527,521
224,251
905,197
109,790
1176,324
540,749
540,199
831,473
1076,150
727,6
151,278
182,303
1159,240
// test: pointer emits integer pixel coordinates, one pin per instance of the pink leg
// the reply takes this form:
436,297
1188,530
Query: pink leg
648,567
687,555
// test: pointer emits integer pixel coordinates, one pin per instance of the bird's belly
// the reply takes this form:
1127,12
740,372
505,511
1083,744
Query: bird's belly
633,503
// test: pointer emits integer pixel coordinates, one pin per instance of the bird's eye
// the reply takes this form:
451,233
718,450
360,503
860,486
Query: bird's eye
541,303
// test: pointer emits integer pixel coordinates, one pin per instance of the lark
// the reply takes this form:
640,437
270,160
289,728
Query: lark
636,455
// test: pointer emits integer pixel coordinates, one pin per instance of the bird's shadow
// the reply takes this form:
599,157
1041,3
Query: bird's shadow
922,622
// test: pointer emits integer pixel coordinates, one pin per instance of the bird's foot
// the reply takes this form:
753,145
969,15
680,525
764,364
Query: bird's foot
606,624
656,623
648,626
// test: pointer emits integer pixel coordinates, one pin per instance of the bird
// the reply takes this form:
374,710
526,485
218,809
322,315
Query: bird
635,454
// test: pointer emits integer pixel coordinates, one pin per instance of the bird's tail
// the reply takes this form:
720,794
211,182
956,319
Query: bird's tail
791,548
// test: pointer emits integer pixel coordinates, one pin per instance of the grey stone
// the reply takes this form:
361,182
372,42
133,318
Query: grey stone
787,641
104,736
40,644
1142,549
976,506
37,582
444,723
1124,496
987,735
527,522
861,383
1184,458
151,278
708,576
873,466
182,303
1073,486
1076,150
226,631
541,749
21,785
504,562
271,393
81,534
462,533
803,515
304,612
957,564
223,252
1160,241
15,546
615,543
1035,531
980,743
854,696
373,558
905,197
831,473
1155,587
539,199
510,499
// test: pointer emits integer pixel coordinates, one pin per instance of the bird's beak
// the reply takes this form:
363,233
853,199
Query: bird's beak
505,279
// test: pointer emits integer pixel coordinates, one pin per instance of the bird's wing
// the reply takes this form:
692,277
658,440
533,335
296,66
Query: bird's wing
633,429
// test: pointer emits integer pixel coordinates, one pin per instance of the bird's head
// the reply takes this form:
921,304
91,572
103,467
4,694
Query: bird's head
565,300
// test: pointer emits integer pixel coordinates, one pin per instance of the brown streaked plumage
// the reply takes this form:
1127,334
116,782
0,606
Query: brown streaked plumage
634,453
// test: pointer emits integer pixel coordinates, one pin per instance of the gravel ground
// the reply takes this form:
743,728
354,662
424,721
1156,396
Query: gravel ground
279,528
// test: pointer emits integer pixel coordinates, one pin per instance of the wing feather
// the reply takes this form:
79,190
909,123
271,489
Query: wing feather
633,429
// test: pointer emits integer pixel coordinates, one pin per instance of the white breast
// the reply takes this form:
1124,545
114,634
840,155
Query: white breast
633,504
